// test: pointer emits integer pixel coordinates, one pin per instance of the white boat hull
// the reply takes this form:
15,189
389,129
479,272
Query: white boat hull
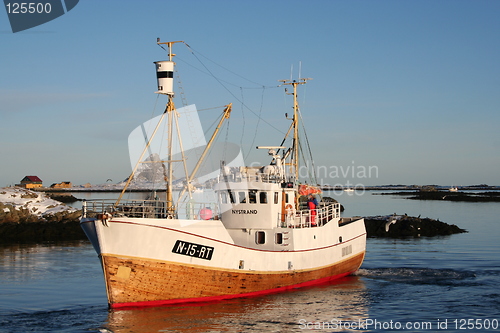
163,261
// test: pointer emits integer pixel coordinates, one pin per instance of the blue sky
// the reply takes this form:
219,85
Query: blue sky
410,87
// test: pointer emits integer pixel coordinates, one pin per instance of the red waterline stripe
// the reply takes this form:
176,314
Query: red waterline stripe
225,297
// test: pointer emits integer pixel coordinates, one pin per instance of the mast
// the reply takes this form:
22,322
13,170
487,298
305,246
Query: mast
294,164
165,75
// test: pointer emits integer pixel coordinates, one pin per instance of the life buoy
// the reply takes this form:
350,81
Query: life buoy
206,213
290,212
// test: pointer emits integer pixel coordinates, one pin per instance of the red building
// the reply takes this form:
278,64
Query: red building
30,182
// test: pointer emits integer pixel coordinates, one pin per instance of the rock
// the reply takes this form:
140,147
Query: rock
28,216
407,226
25,201
28,232
62,197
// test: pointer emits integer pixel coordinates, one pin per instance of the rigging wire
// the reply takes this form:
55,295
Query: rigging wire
230,71
258,122
179,58
209,129
227,89
164,168
242,102
243,116
243,105
226,141
154,180
206,109
181,89
162,47
146,138
154,107
314,178
309,150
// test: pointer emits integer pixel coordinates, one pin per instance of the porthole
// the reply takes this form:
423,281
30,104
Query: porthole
260,237
279,238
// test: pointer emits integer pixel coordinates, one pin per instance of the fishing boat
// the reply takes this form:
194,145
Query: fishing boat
266,232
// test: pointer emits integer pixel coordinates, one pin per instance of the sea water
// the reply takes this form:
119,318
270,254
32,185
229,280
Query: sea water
449,283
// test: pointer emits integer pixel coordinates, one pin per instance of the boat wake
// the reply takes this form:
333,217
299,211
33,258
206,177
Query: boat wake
419,276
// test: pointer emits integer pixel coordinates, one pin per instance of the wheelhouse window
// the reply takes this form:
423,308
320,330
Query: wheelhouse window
223,197
260,237
263,197
252,196
242,197
276,196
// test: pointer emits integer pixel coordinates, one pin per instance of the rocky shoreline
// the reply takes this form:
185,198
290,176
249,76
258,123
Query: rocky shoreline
27,216
62,197
448,196
43,231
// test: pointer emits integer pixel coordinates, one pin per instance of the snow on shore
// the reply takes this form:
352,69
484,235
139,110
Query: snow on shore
37,203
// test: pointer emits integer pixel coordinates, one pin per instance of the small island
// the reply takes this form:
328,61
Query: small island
404,226
432,193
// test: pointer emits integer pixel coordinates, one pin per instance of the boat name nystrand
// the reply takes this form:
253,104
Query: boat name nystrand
244,211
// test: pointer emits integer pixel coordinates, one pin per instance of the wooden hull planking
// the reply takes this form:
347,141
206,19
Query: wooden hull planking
141,282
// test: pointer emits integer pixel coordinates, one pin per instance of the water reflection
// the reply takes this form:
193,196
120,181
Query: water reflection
22,262
344,300
49,276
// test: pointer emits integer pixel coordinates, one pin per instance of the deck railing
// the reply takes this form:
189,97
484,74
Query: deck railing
309,218
246,177
150,209
156,209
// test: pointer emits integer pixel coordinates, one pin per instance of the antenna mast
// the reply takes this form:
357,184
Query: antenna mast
294,165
